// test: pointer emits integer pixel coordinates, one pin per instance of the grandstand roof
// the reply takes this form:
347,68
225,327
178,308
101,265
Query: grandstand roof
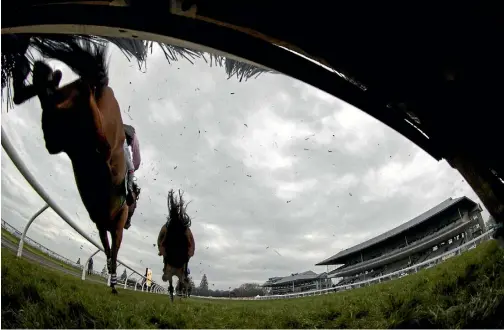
301,277
450,202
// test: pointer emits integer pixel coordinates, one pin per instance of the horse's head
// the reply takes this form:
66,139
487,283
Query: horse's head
70,115
67,112
45,85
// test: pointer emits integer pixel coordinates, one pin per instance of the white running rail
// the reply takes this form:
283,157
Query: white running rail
18,162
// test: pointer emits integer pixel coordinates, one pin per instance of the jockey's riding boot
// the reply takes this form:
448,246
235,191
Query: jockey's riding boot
131,197
128,221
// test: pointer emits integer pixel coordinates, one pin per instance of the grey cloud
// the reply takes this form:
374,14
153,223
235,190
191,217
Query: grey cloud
239,153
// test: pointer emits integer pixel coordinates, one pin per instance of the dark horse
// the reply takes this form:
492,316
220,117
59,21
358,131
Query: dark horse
176,243
83,119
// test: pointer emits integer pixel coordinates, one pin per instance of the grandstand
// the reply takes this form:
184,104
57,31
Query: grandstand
298,282
436,231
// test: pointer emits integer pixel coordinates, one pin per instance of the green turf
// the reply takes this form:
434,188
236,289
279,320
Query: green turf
14,239
463,292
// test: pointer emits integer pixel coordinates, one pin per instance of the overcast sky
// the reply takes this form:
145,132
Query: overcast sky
280,174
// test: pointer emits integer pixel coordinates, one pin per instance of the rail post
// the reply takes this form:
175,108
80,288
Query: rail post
127,278
84,268
136,284
21,241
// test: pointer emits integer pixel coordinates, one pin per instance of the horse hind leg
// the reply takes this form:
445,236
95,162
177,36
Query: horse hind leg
106,247
116,244
170,288
183,283
187,285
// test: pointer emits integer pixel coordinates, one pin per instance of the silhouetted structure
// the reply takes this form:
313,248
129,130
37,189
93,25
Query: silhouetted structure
439,230
298,282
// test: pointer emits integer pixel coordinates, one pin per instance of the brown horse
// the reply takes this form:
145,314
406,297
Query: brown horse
176,244
83,119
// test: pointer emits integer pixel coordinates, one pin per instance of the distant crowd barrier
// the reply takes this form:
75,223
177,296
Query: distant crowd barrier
18,162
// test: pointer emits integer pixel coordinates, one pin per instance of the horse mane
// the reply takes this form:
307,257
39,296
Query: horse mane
84,56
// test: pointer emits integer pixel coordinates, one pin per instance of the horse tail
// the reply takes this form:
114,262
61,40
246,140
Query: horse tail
177,209
176,243
173,207
85,56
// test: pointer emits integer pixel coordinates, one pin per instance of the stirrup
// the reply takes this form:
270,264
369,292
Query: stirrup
131,196
128,223
135,189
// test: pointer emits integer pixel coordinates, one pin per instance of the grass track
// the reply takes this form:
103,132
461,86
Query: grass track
14,239
464,292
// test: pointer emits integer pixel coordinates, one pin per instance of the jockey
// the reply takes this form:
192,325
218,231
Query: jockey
132,164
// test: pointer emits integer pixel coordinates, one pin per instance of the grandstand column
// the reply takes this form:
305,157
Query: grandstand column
84,267
21,241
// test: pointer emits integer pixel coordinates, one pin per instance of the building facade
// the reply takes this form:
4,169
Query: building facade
299,282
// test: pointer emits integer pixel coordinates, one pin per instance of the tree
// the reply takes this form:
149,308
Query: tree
191,283
124,275
203,287
248,290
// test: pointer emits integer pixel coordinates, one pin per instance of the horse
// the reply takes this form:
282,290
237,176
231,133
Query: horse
83,120
176,243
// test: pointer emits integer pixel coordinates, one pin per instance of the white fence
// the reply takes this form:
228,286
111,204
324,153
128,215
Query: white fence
18,162
78,267
37,245
400,273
